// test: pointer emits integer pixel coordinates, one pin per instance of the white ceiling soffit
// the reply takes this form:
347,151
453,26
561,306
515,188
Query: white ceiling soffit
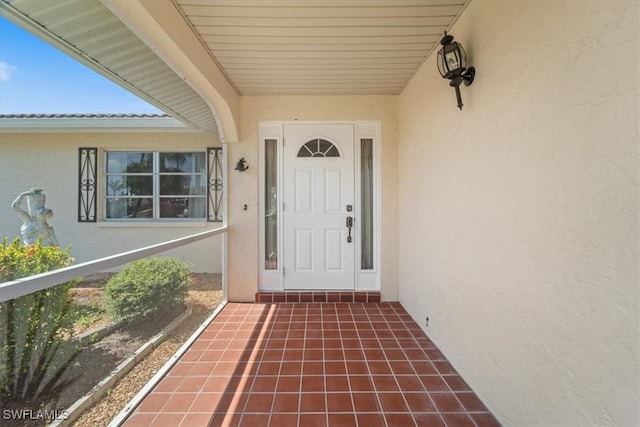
89,32
320,47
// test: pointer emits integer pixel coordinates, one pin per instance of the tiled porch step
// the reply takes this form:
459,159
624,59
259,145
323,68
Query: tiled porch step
328,296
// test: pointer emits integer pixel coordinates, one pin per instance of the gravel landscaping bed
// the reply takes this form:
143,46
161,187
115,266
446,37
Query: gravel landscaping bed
204,296
98,360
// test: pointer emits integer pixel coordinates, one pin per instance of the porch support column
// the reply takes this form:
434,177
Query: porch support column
161,26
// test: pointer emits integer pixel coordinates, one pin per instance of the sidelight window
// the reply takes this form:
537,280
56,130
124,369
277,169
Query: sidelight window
366,203
271,204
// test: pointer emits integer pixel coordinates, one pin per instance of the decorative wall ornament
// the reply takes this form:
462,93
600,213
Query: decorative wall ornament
241,166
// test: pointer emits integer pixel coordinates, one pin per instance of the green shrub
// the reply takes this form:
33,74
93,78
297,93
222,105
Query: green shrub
147,286
33,350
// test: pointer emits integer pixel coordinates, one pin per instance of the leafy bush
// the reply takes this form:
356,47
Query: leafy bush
147,286
33,351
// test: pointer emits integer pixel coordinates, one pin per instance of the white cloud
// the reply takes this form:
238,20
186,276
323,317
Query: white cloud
6,71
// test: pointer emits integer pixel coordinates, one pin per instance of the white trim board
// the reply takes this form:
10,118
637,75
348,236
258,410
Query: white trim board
94,124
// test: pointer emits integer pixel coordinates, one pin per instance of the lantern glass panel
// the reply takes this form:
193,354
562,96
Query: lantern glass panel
441,67
452,60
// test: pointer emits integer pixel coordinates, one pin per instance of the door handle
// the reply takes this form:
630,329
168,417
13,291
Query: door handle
349,226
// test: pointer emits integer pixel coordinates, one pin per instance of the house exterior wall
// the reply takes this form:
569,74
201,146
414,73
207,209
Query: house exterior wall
519,214
49,160
243,187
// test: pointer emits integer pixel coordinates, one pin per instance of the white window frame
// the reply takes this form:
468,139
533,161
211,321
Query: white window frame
156,188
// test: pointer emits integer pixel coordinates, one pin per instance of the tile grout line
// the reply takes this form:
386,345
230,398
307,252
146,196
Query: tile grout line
377,395
440,375
353,403
254,353
415,421
428,358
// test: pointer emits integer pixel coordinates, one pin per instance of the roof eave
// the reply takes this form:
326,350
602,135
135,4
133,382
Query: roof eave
10,11
93,124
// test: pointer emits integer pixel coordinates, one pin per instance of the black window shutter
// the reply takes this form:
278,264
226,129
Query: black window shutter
87,184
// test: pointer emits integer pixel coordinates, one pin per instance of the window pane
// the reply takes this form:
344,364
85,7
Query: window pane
333,152
117,185
366,201
304,152
187,185
128,207
197,207
140,185
271,205
129,185
129,162
183,162
182,207
324,145
318,148
177,185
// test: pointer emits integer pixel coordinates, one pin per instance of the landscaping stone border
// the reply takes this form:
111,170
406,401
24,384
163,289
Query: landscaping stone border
74,411
133,403
95,334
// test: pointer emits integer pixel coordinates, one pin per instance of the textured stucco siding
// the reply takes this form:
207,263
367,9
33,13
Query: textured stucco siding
49,160
519,214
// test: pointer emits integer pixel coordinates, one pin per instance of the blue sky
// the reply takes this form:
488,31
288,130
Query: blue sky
38,78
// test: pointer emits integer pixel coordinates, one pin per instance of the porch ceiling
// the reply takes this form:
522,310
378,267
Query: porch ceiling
262,47
319,47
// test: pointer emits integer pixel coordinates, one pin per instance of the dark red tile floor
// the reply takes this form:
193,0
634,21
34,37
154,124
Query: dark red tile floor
312,364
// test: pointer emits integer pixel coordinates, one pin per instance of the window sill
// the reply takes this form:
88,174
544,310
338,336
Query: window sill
151,224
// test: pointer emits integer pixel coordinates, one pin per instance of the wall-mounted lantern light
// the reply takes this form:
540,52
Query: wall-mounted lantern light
452,64
241,166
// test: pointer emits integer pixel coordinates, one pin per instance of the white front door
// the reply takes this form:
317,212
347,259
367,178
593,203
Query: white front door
318,200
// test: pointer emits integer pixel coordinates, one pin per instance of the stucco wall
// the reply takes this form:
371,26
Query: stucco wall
243,225
519,214
49,160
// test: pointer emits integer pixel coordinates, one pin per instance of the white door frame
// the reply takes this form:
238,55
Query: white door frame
365,280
